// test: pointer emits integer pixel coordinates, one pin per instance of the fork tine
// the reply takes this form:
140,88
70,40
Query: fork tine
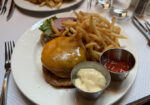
11,47
147,27
9,52
5,51
13,44
148,23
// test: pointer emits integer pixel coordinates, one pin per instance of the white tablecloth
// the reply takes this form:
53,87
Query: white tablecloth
22,20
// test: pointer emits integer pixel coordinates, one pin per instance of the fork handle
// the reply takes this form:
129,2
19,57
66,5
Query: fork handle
3,100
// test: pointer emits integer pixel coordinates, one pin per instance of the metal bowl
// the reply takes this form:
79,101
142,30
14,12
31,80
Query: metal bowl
118,54
93,65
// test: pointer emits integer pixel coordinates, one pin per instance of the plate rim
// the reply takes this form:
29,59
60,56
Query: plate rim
47,10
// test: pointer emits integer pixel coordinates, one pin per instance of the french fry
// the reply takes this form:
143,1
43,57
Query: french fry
95,38
92,44
78,16
53,27
65,32
58,1
102,19
69,23
93,26
117,29
93,32
109,47
112,23
118,36
72,30
96,54
58,5
50,3
111,41
85,34
42,4
57,34
82,13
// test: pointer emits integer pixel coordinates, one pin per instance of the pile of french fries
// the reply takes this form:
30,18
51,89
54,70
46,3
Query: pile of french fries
50,3
94,33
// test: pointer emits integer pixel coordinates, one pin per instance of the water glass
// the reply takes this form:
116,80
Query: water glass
120,7
105,4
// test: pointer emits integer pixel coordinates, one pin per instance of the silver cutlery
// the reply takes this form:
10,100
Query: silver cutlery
141,28
1,2
89,4
11,10
141,101
8,52
4,8
147,24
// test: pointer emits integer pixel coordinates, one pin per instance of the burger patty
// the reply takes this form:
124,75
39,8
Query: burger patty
56,81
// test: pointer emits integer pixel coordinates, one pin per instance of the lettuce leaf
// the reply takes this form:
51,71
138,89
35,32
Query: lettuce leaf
46,26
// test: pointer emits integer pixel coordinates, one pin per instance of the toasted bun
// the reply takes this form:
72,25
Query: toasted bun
60,55
56,81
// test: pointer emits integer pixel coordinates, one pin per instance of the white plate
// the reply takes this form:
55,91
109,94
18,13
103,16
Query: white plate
34,7
27,73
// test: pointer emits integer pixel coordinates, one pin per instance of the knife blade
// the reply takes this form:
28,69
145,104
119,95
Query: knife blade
11,10
141,28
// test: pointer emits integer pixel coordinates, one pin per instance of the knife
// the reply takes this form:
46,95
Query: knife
140,27
11,10
141,101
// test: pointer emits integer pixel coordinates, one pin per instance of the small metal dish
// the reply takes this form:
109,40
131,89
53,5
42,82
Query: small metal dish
93,65
118,54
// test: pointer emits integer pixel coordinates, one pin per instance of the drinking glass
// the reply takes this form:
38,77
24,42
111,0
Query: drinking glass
105,4
120,7
90,4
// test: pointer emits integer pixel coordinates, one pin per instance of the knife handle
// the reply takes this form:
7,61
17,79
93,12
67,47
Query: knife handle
11,10
141,101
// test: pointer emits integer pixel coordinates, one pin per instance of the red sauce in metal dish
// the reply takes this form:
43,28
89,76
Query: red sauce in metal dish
116,66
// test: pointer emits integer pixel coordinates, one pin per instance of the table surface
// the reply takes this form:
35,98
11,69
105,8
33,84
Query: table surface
22,20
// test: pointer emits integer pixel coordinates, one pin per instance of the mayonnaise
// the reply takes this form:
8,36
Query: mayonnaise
90,80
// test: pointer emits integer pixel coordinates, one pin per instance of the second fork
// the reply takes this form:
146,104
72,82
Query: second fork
8,52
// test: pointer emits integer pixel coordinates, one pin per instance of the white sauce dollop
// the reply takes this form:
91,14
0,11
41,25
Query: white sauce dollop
90,80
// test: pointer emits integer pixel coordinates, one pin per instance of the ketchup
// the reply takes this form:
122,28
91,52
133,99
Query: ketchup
116,66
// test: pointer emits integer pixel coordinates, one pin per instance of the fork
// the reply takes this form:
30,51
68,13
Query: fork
147,24
8,51
4,7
